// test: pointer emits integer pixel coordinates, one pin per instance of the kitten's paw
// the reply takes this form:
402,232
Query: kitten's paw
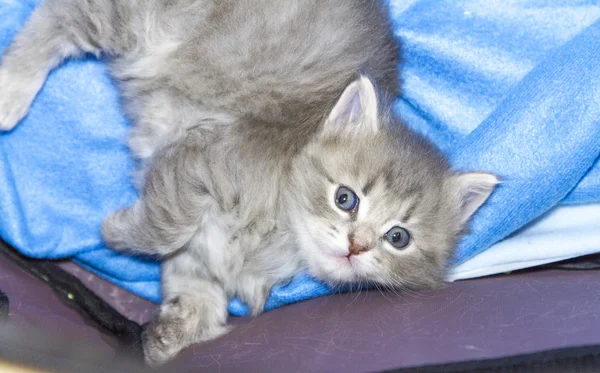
179,324
162,340
254,291
16,96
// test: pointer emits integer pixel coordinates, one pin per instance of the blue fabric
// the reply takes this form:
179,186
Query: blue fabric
506,87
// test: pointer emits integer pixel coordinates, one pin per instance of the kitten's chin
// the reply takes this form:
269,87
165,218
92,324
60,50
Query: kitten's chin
333,270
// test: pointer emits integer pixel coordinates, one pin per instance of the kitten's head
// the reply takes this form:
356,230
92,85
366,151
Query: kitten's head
371,201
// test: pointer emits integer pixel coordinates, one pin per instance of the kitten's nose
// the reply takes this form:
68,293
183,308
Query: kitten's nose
356,249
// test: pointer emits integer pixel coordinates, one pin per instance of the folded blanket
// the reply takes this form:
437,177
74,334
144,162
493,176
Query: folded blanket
507,87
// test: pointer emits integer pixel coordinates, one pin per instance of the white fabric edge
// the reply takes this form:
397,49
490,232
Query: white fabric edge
564,232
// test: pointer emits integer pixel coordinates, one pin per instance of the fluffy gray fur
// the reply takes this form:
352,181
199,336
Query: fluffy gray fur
249,114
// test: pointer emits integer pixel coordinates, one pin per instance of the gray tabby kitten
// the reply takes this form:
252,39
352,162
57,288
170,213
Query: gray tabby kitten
264,149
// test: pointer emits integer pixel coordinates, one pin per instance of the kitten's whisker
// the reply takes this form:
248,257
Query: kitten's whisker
382,292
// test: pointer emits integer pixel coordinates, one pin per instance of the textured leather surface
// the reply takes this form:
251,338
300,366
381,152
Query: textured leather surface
370,331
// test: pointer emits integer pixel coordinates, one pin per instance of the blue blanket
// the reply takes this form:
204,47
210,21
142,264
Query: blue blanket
507,87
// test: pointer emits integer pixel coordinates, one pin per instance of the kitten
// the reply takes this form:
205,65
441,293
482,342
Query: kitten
264,149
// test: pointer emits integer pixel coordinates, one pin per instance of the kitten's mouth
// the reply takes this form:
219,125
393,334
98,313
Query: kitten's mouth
345,260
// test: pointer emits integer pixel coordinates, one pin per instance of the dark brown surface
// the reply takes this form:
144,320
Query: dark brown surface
364,332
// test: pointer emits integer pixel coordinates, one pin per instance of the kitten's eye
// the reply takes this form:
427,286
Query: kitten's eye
398,237
346,199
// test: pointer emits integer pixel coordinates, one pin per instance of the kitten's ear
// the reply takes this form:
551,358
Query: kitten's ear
356,110
473,190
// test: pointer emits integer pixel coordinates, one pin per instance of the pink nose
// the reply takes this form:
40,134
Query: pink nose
356,249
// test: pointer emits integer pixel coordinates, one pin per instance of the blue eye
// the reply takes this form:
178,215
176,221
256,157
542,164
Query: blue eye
398,237
346,199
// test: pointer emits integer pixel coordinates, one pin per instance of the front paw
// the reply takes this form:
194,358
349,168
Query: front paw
254,291
181,322
162,340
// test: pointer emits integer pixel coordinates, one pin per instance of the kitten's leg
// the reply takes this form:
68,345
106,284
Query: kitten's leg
56,30
176,194
194,310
